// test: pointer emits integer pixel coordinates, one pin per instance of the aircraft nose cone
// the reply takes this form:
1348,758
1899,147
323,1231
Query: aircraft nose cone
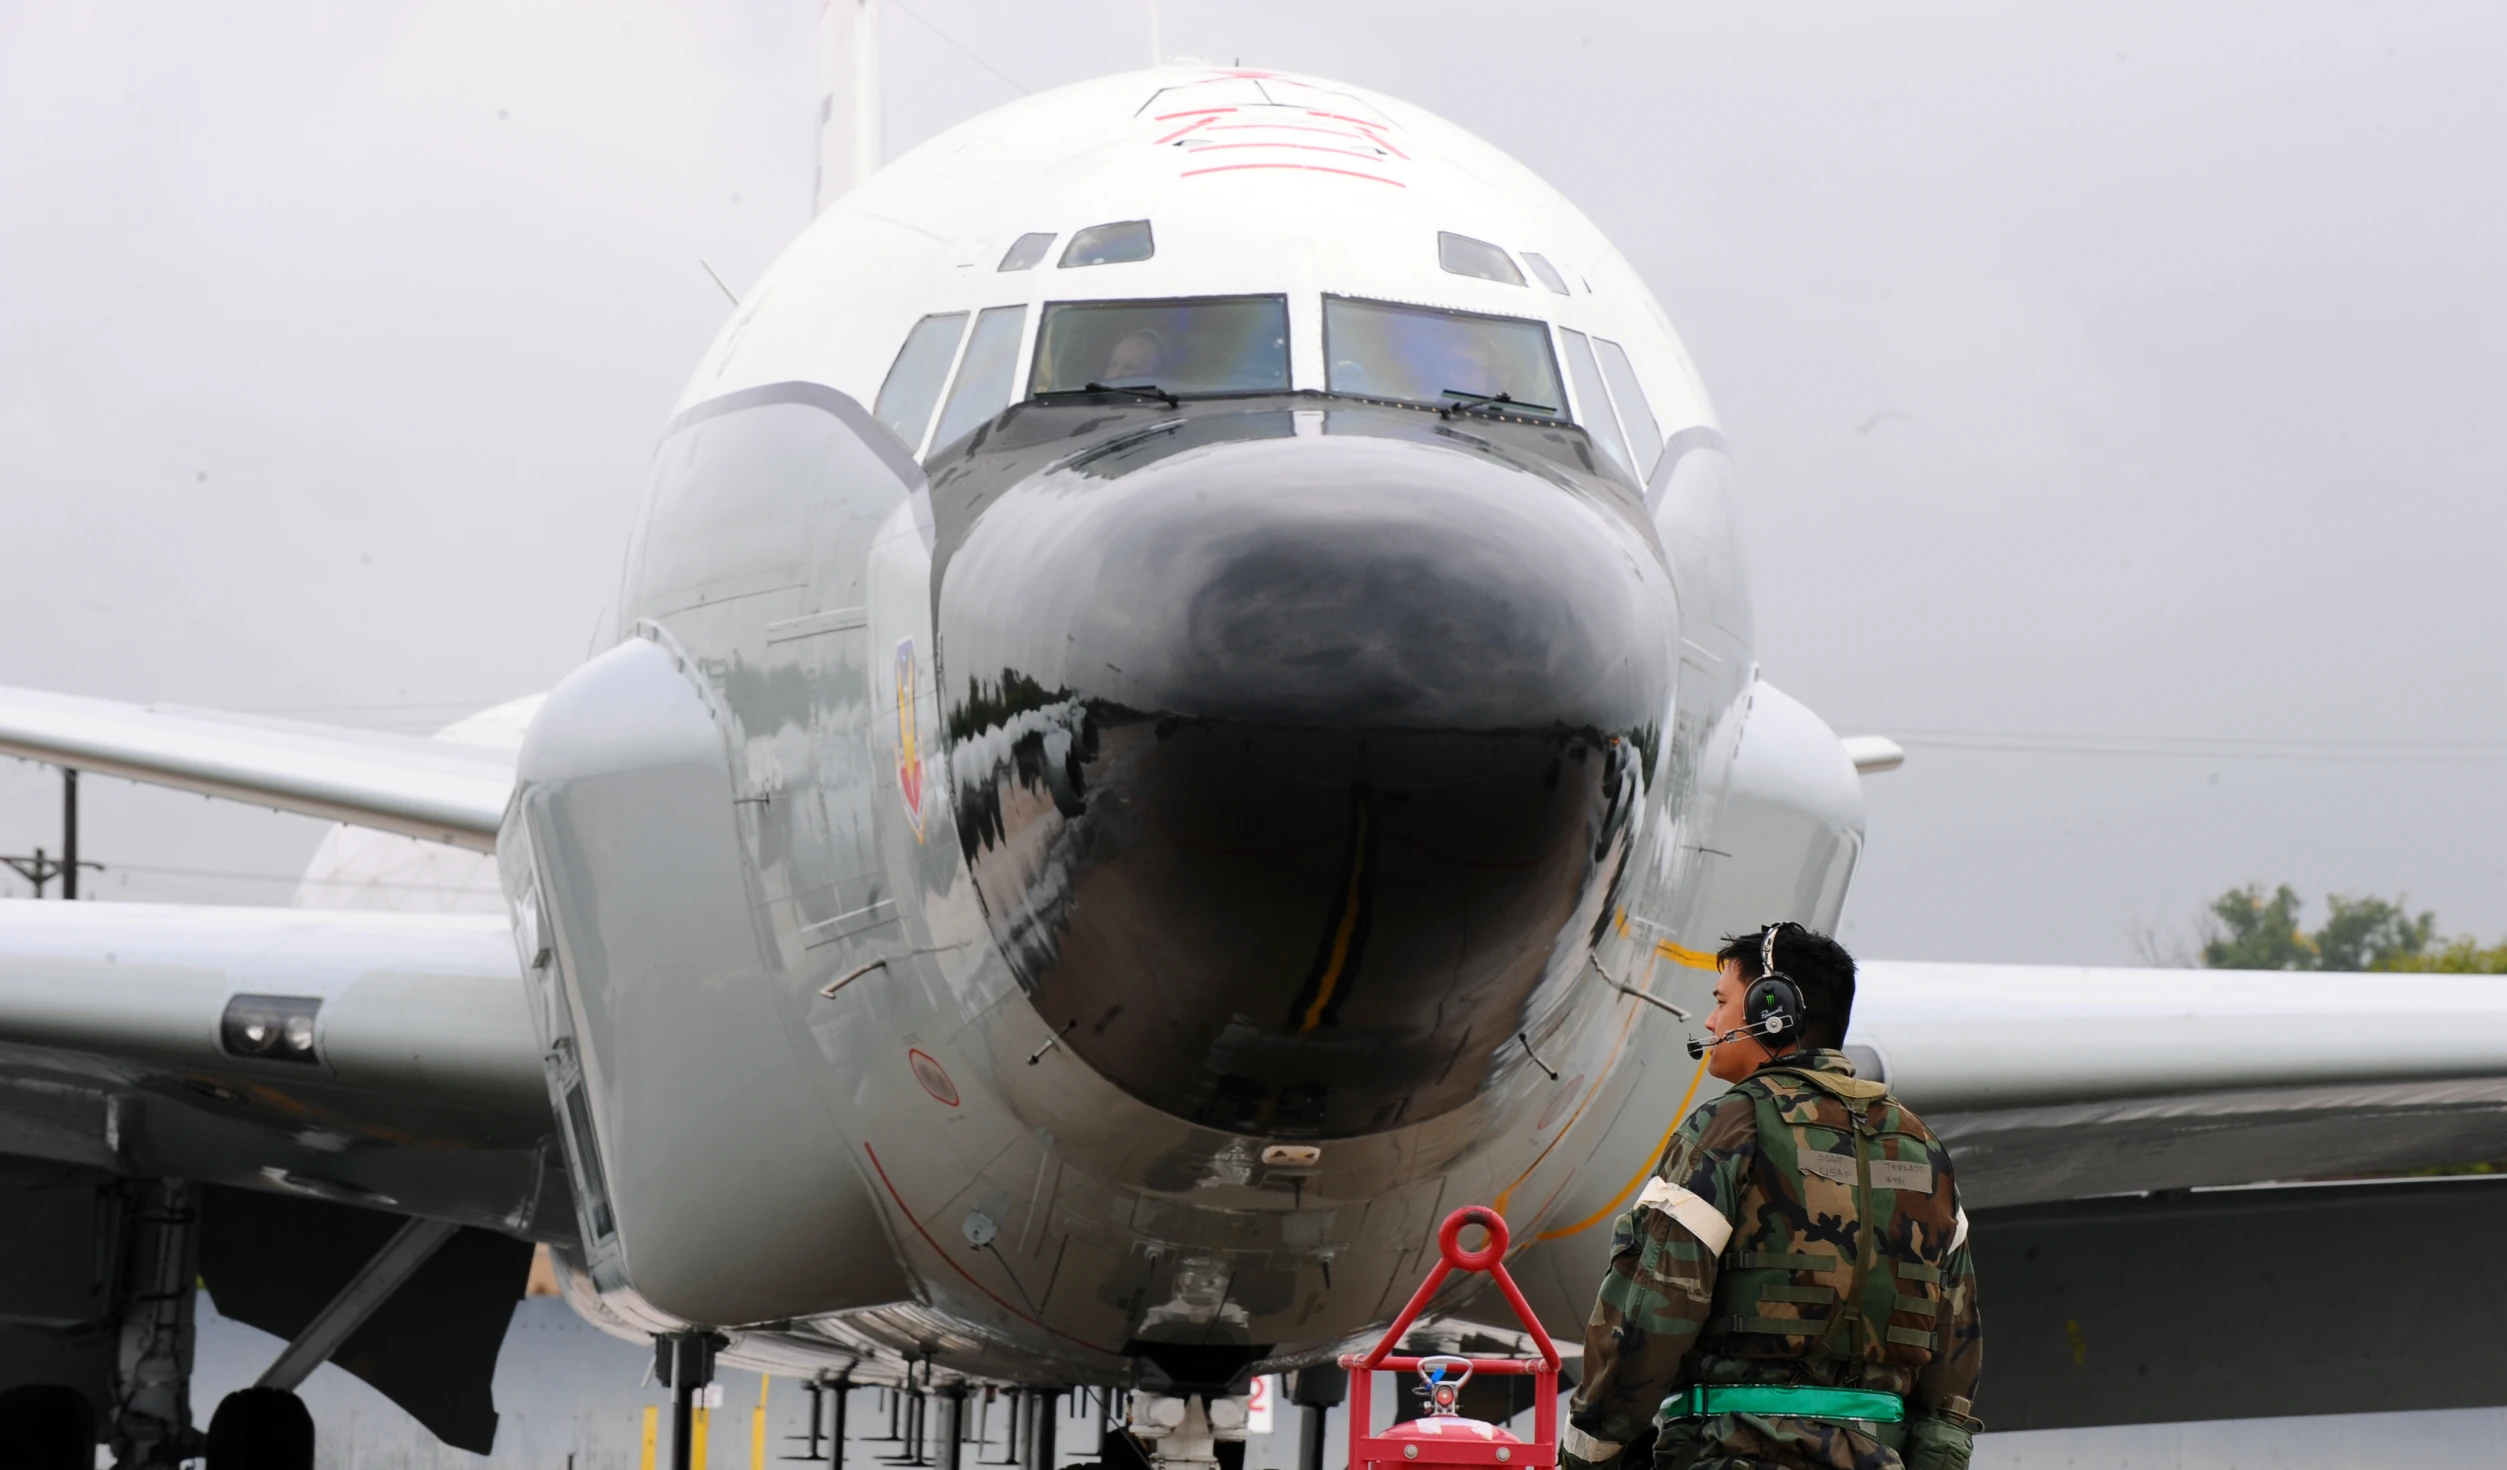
1283,763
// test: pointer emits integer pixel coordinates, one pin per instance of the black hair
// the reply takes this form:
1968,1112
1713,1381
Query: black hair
1817,965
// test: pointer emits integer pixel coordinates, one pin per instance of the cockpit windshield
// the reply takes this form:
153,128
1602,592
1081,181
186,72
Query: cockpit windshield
1417,354
1210,344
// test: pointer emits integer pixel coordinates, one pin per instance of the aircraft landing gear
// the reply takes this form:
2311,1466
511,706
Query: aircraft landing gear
1044,1414
684,1362
150,1417
1194,1432
1316,1392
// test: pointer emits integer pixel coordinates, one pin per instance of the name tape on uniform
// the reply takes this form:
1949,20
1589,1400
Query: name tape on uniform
1913,1175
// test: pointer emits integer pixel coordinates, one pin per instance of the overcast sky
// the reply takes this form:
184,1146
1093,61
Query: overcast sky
2125,380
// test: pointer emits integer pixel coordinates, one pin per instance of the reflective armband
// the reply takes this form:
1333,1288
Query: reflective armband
1694,1214
1574,1441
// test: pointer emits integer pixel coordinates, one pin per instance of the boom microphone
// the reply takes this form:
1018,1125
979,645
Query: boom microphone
1772,1026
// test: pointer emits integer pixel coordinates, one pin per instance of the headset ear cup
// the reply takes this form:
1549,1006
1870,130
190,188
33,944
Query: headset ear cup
1775,1008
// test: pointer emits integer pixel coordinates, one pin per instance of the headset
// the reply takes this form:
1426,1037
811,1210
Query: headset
1773,1007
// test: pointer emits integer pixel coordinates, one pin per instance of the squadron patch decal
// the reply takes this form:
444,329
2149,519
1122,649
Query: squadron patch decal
909,754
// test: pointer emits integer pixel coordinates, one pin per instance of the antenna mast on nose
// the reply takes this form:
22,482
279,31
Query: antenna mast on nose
848,103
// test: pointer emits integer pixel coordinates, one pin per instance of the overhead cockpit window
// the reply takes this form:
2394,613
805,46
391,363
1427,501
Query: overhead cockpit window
1645,436
914,380
983,386
1416,354
1026,250
1219,344
1114,244
1592,404
1547,272
1464,256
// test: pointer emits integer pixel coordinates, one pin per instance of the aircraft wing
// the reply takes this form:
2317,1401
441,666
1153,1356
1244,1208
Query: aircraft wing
124,1046
437,790
2143,1155
2060,1082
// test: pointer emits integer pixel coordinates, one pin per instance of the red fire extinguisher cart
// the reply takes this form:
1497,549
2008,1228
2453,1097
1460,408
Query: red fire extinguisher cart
1443,1436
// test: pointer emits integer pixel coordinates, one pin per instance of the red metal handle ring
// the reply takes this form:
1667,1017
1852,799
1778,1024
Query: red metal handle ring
1449,1238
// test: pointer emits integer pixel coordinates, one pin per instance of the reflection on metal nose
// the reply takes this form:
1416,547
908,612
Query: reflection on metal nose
1281,767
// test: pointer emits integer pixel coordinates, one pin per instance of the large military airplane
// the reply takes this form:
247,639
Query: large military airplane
1182,703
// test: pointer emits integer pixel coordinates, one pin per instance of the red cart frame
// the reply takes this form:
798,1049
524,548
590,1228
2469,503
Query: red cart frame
1392,1449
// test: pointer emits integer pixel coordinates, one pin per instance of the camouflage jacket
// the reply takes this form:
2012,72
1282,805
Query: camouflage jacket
1762,1252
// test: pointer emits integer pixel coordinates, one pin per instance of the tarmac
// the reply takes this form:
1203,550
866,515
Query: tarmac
573,1398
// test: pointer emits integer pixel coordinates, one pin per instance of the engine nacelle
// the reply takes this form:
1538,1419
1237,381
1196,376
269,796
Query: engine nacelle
666,1018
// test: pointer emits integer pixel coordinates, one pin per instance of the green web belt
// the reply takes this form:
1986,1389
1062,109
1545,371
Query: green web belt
1794,1401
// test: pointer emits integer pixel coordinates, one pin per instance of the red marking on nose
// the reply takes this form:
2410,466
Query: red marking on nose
1247,127
1186,128
1307,147
1312,168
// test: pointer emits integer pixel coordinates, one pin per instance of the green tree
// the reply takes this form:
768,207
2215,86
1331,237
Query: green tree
2370,934
2252,930
2461,955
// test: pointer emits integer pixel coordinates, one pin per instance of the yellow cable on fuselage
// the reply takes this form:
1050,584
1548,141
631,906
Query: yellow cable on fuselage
1348,930
1621,1198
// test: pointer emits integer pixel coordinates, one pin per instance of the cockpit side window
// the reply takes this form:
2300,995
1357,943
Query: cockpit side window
1114,244
983,385
1464,256
1216,344
1547,272
1417,354
914,379
1645,436
1025,251
1592,404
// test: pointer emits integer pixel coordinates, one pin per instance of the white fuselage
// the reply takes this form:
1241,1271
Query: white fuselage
1118,848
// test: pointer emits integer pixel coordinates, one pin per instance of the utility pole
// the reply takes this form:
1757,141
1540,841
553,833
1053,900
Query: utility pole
38,869
69,833
41,868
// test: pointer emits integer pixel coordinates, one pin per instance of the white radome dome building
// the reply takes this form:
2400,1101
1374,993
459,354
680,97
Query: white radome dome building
360,868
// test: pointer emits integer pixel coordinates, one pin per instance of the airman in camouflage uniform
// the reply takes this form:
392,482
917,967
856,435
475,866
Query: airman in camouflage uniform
1802,1231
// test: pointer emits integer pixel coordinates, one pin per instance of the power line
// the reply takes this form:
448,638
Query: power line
2211,747
28,794
2378,742
2207,755
162,870
307,709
